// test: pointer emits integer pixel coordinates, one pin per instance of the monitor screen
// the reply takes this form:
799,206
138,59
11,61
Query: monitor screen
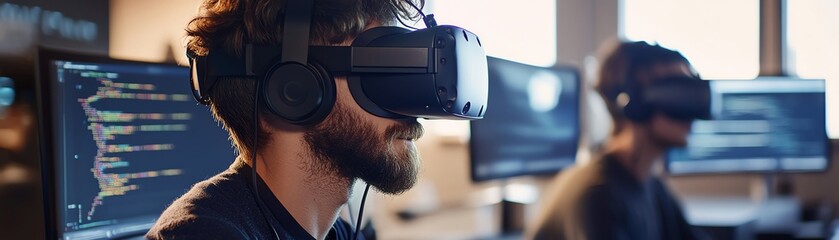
532,121
122,140
763,125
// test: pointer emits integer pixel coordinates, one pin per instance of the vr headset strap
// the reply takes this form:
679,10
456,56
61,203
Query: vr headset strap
340,60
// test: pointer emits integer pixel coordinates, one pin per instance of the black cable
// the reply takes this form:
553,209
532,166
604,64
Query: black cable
360,212
415,7
427,19
253,155
398,18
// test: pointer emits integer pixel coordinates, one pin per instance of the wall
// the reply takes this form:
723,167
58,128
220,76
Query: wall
150,30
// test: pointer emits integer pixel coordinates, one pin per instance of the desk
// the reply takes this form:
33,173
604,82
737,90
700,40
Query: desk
455,223
723,218
743,218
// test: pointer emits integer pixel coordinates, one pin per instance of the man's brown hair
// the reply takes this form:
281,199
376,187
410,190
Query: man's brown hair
227,25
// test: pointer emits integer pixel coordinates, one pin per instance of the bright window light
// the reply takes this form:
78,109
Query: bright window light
514,30
812,35
719,37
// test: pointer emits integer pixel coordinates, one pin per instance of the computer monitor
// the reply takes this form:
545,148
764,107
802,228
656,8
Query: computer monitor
762,125
121,140
531,126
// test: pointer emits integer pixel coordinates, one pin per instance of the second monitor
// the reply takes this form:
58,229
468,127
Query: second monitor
763,125
532,124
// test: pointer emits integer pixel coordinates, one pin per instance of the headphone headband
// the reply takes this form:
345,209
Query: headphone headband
298,17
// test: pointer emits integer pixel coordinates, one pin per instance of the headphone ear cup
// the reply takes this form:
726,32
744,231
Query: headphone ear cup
636,109
300,94
328,93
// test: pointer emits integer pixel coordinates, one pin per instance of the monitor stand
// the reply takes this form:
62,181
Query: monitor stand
512,207
779,209
766,186
512,217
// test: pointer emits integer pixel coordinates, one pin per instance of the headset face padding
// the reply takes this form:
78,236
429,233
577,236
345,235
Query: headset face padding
300,94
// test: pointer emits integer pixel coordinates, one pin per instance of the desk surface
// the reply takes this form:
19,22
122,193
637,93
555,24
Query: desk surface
455,223
720,212
773,215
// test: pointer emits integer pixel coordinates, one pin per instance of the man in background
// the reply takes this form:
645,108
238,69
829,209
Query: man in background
617,195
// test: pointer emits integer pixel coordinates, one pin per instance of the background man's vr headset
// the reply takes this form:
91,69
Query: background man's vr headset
437,72
683,98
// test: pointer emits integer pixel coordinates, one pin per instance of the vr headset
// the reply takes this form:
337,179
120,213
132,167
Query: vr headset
438,73
683,98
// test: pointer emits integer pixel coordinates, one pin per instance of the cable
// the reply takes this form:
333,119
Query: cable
253,156
415,6
427,19
398,18
360,212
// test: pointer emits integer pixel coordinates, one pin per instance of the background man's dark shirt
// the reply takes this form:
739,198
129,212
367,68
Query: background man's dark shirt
225,207
603,200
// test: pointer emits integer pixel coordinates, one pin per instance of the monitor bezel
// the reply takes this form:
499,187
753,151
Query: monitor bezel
578,130
827,141
47,134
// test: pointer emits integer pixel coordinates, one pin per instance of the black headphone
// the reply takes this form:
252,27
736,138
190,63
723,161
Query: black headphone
297,90
294,88
631,100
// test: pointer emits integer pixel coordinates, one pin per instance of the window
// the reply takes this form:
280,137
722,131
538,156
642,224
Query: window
508,29
719,37
812,33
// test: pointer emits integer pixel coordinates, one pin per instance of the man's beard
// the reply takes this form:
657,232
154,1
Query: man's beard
347,145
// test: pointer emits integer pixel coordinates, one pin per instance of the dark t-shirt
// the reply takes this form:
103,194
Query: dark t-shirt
603,200
225,207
